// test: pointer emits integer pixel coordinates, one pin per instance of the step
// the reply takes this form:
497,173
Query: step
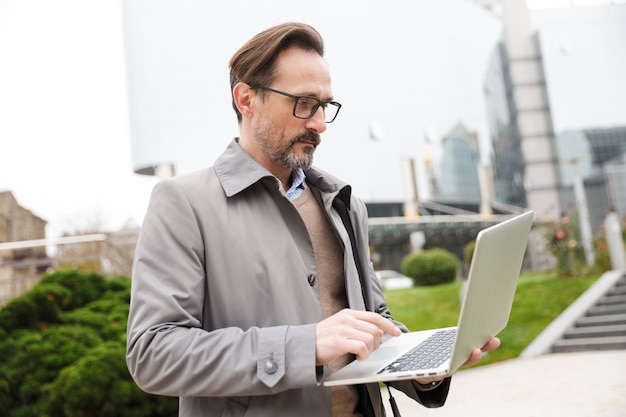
612,299
596,331
606,309
589,344
617,290
605,319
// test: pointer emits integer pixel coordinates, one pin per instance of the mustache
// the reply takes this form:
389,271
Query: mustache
311,137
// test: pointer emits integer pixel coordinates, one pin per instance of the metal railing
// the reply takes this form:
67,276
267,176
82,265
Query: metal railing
23,263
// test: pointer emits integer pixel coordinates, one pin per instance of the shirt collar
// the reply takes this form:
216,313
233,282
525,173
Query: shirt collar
297,184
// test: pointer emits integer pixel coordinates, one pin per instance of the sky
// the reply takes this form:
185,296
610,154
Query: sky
64,127
64,133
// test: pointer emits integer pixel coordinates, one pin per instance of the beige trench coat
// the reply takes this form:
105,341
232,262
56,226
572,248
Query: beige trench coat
224,295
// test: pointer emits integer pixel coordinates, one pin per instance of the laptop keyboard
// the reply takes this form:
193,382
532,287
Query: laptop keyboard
431,353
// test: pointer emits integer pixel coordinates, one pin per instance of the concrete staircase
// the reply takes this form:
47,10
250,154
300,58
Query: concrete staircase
602,327
596,321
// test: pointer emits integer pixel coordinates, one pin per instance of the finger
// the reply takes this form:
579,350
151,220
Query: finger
351,331
359,343
379,321
474,357
492,344
366,333
359,349
350,335
428,380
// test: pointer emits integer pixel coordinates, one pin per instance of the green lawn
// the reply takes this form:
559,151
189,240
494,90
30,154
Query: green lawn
539,299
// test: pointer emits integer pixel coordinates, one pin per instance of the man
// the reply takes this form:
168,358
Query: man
245,291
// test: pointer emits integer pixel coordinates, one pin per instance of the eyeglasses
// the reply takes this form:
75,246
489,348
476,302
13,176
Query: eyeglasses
304,107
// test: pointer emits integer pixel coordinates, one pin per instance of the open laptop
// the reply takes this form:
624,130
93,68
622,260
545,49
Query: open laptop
492,280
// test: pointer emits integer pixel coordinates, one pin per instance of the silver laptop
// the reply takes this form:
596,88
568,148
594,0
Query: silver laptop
492,280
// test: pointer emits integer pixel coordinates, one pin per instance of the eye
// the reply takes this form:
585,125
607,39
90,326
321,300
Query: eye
304,102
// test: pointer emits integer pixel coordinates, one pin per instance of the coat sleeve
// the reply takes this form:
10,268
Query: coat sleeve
168,351
433,398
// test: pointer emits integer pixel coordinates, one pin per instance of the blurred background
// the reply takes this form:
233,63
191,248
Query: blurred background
466,109
457,114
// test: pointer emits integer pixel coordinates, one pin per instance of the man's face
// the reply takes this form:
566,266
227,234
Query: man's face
286,140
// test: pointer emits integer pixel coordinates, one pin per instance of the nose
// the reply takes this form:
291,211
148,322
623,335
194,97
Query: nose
317,123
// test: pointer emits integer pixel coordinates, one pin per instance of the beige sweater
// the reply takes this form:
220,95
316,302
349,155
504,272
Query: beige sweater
331,281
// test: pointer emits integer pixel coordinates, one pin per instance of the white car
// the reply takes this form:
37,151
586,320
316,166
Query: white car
393,280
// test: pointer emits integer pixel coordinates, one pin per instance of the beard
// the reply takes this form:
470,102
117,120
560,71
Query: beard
283,153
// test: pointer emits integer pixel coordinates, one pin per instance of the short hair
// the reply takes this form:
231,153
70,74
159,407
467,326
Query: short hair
255,62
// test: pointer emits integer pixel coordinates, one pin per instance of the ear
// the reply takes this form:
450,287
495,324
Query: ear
242,96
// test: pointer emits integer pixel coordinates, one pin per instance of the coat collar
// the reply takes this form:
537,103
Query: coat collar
237,171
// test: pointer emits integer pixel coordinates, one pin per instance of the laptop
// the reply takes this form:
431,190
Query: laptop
492,281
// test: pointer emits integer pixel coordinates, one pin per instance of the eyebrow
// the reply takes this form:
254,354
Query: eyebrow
315,96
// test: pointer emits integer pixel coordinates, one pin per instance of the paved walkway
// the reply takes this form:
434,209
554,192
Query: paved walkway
588,384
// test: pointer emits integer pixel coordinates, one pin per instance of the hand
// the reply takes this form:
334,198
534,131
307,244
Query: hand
476,354
474,357
350,331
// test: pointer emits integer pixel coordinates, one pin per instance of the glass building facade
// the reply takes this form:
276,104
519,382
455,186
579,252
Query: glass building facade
506,156
458,172
599,157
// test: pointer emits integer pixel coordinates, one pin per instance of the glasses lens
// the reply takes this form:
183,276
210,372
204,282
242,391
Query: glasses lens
330,112
306,107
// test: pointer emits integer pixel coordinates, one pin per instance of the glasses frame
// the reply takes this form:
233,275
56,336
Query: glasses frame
319,103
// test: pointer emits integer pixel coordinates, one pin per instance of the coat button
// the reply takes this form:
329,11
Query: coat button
311,278
271,366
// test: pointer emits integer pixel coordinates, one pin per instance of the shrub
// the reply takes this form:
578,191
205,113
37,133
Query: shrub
85,287
35,309
19,313
33,358
431,267
97,384
602,255
468,254
50,300
565,243
62,348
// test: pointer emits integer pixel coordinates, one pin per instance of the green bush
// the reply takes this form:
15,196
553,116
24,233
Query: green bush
96,385
68,291
84,287
468,254
38,356
564,241
602,255
39,307
62,348
431,267
19,313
